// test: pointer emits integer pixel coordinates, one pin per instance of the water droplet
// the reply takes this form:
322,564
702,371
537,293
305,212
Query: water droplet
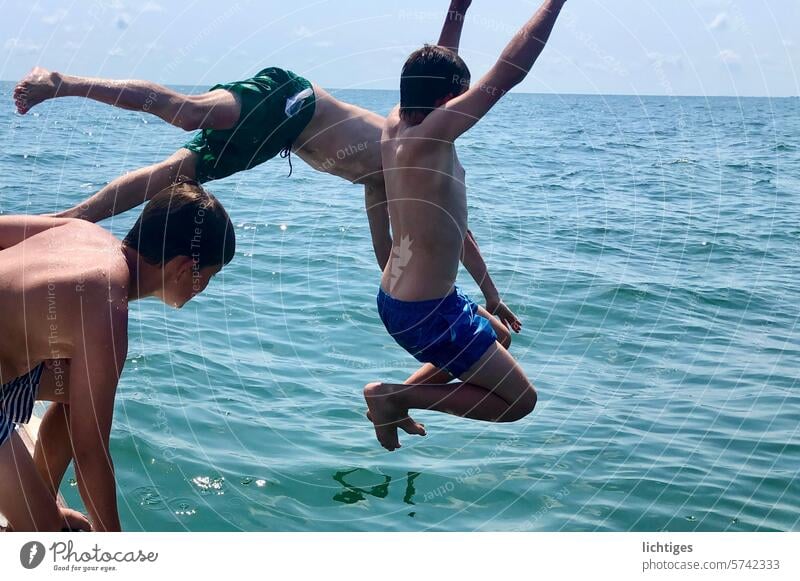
209,485
183,507
149,498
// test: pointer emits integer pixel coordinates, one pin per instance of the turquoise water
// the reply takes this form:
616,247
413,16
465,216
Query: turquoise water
650,246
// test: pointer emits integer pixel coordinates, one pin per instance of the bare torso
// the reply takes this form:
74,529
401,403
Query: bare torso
42,288
428,210
342,140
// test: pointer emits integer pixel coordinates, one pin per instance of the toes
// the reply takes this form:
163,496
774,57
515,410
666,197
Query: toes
409,426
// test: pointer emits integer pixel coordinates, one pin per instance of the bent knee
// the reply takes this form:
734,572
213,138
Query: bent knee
522,407
189,116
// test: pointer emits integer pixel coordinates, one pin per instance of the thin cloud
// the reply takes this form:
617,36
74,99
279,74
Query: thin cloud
730,57
152,7
22,46
55,16
674,60
721,22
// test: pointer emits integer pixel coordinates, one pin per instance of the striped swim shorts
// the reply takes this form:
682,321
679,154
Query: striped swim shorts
16,401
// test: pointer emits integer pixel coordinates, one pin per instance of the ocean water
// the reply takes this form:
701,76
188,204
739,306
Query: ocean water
650,245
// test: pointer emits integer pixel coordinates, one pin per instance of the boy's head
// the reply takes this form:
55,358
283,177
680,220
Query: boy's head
185,231
431,76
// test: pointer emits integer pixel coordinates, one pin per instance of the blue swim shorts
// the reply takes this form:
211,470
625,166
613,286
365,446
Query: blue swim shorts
447,332
16,401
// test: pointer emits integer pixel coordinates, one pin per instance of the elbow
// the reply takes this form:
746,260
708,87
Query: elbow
514,77
383,259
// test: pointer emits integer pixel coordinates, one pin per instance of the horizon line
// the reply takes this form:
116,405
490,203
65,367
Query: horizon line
567,94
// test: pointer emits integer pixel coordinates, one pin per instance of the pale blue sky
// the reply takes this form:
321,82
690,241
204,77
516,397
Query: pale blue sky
673,47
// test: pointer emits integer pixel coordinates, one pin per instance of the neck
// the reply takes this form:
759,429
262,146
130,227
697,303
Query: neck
145,278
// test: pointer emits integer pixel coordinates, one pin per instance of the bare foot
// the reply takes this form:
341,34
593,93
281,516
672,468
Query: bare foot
37,86
408,425
388,416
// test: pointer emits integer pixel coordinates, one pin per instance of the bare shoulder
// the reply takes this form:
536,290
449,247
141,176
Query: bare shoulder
96,259
86,228
391,123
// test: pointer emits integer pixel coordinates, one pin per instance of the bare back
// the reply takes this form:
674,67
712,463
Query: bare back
43,280
342,140
428,210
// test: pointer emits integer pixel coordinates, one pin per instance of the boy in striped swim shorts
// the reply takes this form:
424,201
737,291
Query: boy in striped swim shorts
65,290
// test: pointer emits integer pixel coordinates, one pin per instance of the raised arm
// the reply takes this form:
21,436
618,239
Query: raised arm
15,229
458,115
473,261
454,24
95,369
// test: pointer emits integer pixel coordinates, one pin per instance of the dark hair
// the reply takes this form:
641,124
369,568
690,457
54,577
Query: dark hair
430,74
183,220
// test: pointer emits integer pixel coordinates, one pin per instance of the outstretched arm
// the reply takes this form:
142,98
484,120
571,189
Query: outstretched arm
379,227
454,24
134,188
472,260
458,115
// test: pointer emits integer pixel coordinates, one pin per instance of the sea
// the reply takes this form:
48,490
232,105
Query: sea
650,245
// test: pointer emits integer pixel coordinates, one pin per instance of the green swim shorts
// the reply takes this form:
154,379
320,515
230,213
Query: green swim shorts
276,107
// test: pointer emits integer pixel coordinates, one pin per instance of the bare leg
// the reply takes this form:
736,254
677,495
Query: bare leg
53,451
217,109
429,374
53,447
24,498
134,188
495,389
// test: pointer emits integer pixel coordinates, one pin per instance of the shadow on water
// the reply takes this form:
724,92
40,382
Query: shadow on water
351,493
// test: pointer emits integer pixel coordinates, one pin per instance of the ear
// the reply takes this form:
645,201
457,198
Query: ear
181,267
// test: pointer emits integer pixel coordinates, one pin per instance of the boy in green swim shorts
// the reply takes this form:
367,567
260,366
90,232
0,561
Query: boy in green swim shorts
242,124
275,107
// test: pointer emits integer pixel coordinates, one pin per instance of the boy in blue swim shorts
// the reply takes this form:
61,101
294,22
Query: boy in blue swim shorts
418,301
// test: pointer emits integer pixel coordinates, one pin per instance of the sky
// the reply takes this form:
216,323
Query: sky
639,47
